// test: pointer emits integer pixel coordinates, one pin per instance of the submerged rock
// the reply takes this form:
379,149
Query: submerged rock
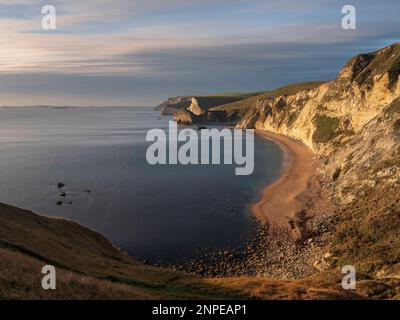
60,185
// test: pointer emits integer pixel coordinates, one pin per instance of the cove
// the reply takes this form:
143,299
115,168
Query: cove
163,214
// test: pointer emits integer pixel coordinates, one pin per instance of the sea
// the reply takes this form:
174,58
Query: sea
160,213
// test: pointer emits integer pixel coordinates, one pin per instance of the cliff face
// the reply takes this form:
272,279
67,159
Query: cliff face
353,125
352,121
196,108
172,105
334,110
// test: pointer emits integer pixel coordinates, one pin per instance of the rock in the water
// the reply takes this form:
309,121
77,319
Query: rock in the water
60,185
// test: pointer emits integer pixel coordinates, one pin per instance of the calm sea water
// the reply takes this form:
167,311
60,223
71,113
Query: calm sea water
153,212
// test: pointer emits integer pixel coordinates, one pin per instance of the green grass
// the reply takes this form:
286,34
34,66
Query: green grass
286,90
37,240
90,267
178,290
368,232
212,101
326,128
239,95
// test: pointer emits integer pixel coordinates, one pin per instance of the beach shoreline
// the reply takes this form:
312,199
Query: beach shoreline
285,198
286,242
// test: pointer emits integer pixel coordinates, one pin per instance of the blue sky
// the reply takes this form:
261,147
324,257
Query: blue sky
132,52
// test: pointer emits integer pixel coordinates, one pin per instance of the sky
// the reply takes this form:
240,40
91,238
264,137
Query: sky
138,53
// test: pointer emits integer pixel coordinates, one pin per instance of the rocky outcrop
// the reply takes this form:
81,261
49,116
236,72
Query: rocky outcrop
352,121
353,125
172,105
197,109
185,117
330,113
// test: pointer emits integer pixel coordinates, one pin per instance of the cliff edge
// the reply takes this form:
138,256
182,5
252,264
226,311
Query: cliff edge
352,124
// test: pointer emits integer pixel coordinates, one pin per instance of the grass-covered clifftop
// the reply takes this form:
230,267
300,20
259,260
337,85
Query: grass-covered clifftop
232,107
199,104
88,266
250,102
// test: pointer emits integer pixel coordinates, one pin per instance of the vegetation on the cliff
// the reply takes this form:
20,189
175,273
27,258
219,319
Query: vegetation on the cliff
326,128
282,91
241,106
90,267
353,124
202,103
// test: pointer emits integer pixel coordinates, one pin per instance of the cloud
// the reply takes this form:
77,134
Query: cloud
153,47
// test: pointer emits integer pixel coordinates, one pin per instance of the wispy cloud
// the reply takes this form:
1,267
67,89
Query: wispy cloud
191,43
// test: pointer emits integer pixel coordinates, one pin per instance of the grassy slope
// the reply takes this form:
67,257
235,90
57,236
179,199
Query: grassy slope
368,230
219,99
241,95
286,90
89,267
80,255
209,101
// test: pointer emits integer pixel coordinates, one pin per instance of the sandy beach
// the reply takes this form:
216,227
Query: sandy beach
282,200
284,210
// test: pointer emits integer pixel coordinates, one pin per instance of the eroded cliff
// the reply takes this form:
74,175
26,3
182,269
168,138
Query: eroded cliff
353,125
